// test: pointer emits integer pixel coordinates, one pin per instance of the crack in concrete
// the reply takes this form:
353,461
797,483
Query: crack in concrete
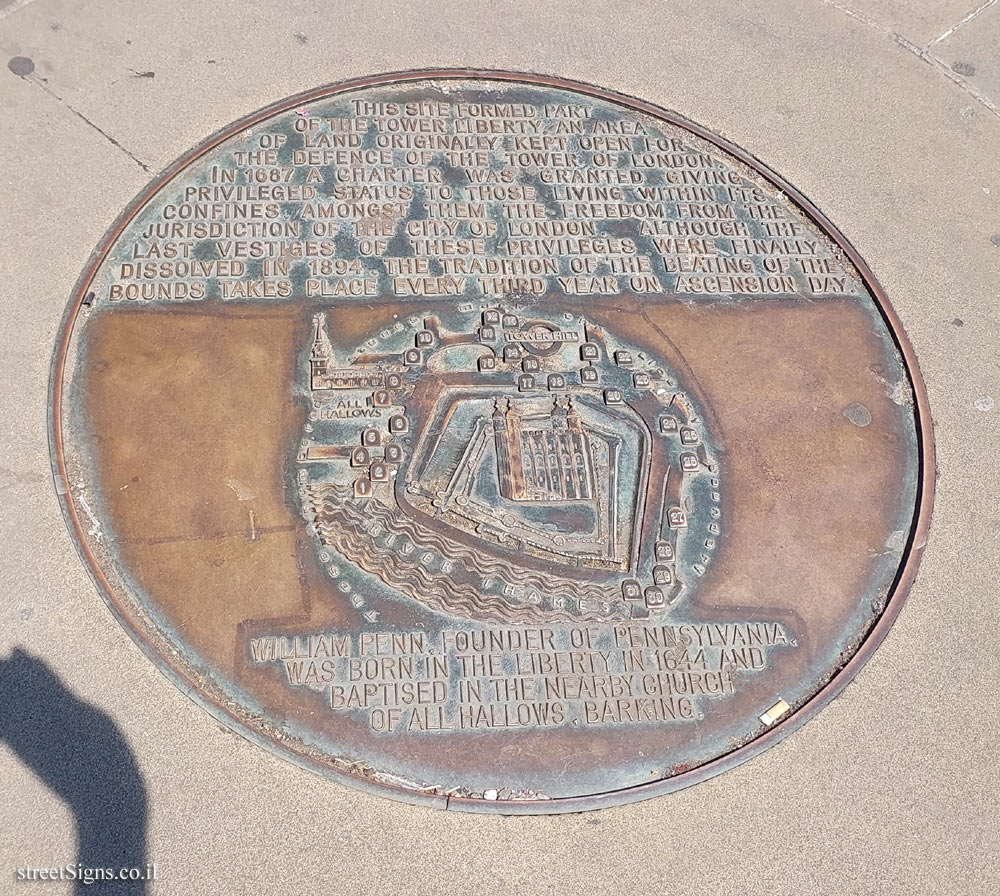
83,118
924,53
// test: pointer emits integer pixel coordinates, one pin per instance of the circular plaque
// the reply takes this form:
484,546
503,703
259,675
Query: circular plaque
491,441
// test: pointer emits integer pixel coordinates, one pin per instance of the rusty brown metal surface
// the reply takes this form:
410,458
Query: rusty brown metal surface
491,440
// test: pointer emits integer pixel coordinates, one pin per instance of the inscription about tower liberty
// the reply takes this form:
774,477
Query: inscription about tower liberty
488,440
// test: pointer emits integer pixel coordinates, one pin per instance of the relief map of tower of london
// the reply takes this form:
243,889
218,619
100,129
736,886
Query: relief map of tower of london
490,441
550,470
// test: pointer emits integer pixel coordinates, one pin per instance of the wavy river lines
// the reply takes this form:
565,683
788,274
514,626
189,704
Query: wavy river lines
477,563
342,524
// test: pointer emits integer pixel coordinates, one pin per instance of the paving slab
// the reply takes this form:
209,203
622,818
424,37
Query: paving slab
916,20
973,53
892,789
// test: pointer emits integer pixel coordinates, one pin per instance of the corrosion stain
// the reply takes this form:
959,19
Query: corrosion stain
494,441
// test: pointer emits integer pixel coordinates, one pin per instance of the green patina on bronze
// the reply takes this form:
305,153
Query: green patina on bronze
490,440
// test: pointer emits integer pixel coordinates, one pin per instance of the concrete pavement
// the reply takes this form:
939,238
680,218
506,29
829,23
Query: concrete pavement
883,112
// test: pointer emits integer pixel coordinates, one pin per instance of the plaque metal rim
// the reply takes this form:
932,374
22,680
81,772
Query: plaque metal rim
195,689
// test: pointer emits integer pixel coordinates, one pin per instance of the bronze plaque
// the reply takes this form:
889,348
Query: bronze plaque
491,441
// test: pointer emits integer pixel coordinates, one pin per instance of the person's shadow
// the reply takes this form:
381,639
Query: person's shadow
80,755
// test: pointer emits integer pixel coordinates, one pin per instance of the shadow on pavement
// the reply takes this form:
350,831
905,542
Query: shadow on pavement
80,755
